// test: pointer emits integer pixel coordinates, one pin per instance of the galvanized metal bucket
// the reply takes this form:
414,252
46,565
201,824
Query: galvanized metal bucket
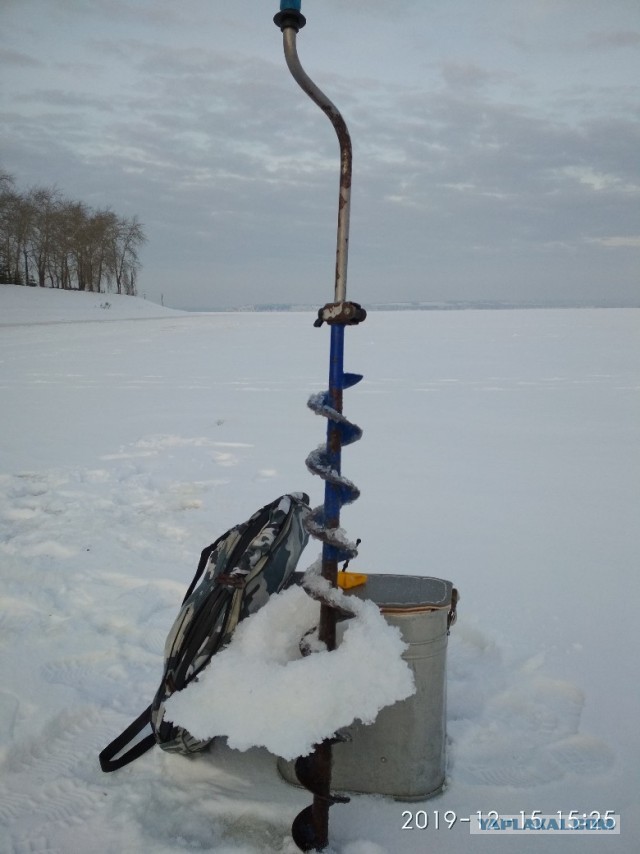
402,754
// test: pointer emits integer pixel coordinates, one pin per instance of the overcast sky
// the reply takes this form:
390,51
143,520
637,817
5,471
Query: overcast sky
496,142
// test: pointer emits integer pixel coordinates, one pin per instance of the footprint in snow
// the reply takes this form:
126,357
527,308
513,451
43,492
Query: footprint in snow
520,728
64,758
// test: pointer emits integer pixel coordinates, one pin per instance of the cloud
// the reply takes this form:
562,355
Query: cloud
599,180
620,242
18,58
614,39
51,99
458,75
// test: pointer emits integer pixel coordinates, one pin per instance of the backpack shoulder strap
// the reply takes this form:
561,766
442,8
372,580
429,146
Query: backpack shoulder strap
107,761
204,557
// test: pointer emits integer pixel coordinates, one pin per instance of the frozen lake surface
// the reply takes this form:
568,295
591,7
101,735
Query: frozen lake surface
501,450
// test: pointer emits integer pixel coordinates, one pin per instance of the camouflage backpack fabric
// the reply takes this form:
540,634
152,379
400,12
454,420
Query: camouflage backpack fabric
235,577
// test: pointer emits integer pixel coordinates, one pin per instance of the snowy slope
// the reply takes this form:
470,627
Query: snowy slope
20,305
501,451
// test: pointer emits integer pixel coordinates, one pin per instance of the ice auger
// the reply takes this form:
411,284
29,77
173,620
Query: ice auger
310,828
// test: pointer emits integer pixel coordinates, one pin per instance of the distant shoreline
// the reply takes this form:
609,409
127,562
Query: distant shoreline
111,304
454,305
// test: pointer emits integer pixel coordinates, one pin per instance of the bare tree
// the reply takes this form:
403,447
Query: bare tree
46,239
128,238
7,197
15,223
46,203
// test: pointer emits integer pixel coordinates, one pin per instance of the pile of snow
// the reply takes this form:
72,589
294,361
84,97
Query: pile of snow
20,305
261,692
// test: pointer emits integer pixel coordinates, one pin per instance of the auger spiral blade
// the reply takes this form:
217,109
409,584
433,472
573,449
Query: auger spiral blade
308,828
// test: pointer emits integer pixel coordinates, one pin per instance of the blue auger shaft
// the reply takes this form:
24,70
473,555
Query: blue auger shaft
332,496
332,500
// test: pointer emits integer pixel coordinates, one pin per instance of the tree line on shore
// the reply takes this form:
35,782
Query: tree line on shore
48,240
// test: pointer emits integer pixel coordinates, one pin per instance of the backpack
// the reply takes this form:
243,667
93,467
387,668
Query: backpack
235,577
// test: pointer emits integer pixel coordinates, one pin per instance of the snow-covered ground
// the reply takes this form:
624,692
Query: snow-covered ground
501,450
45,305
